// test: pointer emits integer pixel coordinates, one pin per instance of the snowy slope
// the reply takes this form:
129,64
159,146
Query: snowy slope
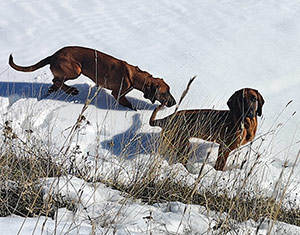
229,44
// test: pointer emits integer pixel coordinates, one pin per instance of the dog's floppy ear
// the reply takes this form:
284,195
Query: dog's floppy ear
261,102
234,102
149,92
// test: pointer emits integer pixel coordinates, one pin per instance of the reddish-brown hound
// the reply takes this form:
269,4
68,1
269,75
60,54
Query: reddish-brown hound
111,73
229,128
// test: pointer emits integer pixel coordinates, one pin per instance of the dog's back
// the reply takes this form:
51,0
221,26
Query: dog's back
206,124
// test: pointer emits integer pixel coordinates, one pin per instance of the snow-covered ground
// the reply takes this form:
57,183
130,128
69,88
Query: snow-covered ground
228,44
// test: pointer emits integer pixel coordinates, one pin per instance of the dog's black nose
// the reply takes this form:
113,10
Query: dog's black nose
171,102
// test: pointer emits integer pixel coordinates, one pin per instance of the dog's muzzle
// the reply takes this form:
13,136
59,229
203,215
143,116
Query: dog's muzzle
250,113
170,102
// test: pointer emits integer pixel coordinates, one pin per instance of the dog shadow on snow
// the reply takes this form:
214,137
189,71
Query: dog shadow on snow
128,144
132,143
18,90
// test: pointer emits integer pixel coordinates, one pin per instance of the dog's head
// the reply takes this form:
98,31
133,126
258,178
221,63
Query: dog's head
246,102
158,90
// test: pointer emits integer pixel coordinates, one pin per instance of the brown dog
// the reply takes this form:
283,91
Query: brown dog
229,128
111,73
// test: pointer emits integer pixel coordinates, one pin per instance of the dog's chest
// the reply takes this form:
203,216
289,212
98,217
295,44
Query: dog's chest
248,130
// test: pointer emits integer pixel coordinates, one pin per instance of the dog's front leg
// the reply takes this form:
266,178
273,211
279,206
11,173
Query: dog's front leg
119,94
122,100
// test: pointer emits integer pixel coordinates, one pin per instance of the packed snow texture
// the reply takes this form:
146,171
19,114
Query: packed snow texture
229,45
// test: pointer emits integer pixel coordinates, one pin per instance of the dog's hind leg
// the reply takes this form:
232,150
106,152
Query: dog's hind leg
64,70
184,151
58,83
179,145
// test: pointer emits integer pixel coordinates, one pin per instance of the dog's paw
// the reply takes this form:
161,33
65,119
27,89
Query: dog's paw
52,89
74,91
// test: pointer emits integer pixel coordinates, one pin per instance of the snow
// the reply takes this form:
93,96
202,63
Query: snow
228,44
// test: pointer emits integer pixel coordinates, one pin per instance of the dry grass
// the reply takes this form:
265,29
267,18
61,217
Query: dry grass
23,163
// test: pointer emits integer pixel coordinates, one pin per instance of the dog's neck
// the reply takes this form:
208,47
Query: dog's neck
143,82
140,79
242,120
244,125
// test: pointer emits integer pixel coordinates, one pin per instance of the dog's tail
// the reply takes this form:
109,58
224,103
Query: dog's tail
31,68
158,122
